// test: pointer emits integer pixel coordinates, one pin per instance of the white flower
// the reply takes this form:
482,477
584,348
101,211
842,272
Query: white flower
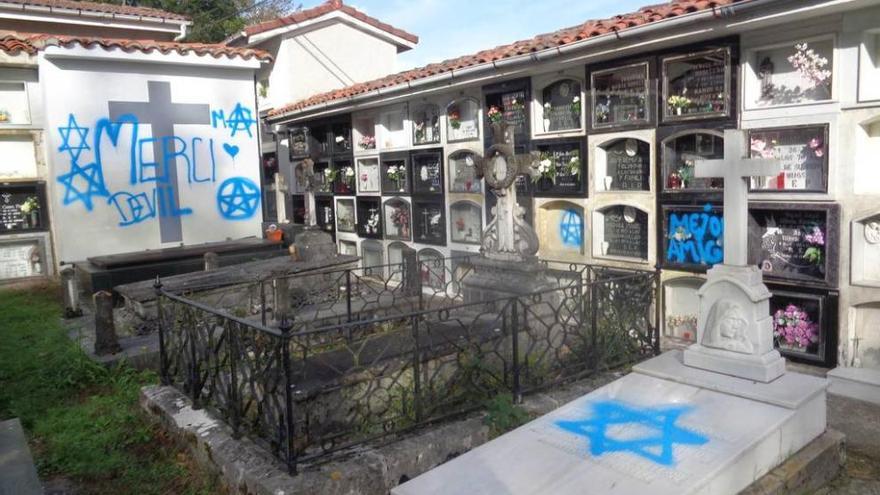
576,99
339,139
327,172
349,172
469,161
545,163
392,169
547,105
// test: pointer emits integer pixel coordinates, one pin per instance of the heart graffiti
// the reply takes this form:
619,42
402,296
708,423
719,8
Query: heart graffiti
231,149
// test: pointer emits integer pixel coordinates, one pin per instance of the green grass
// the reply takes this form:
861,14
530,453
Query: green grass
83,420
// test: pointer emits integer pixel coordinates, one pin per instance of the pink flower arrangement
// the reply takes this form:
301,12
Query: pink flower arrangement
495,115
817,146
367,142
760,148
810,65
792,326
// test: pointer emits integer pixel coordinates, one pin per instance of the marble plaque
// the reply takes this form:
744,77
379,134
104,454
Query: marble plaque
567,166
781,82
20,259
803,152
466,222
463,120
637,435
348,248
433,268
345,176
345,215
368,175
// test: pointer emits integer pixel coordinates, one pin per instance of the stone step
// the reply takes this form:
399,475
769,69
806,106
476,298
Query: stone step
856,383
18,476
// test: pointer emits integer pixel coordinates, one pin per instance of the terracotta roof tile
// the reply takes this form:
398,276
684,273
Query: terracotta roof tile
14,42
326,8
589,29
106,8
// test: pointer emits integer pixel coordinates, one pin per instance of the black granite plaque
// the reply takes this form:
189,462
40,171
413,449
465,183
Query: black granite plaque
22,208
341,138
568,172
326,218
298,141
561,106
620,96
345,176
427,172
628,165
797,242
625,232
395,173
697,85
805,324
429,222
369,218
324,178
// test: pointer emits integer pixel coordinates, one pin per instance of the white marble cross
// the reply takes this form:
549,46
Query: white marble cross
280,188
733,169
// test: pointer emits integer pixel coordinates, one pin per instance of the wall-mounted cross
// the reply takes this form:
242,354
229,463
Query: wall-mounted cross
734,168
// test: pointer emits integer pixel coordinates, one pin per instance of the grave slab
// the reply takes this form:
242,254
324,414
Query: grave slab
18,475
698,433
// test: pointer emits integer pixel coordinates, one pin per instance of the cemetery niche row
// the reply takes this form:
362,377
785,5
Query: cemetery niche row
419,173
23,207
321,138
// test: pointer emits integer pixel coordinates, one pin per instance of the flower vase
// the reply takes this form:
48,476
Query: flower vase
399,185
678,111
497,132
792,347
34,220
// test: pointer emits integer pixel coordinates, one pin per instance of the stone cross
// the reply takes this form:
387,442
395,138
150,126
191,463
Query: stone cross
307,175
733,169
162,114
280,189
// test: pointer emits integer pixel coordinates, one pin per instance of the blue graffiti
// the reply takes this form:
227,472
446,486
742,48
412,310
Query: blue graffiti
602,430
82,183
133,208
238,198
231,149
239,119
695,237
571,228
80,134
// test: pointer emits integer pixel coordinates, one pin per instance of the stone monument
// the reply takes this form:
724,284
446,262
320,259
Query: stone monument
712,421
735,329
312,243
508,264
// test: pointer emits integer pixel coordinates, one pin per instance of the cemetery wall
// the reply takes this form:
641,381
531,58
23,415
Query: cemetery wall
148,151
618,133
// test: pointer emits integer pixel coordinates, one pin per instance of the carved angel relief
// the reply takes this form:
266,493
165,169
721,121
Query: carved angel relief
727,328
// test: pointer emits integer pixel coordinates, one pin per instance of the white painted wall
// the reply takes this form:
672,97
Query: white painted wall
89,222
329,57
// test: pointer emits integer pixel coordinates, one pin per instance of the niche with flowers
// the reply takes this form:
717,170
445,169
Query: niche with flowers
397,219
427,169
395,173
463,120
561,106
463,172
793,73
804,326
343,176
803,151
561,169
368,175
466,222
429,222
369,218
795,241
425,124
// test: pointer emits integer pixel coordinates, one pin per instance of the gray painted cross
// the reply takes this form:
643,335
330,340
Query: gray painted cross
733,169
162,114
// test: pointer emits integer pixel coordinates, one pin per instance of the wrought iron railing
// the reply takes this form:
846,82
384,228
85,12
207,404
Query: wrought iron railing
309,393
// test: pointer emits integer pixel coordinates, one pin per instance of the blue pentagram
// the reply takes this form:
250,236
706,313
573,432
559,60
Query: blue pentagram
238,198
240,119
656,446
79,135
81,183
571,228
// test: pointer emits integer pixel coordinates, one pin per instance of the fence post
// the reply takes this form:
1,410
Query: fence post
658,310
232,394
514,335
348,295
195,386
594,322
160,316
263,301
417,368
289,449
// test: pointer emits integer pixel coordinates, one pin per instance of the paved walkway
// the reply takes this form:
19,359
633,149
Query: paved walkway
18,476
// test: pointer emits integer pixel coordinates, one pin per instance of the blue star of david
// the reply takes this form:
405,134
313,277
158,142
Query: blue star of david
656,446
241,119
79,135
81,183
571,228
238,198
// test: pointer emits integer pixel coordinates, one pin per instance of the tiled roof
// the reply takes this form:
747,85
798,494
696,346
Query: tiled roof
13,43
589,29
104,8
326,8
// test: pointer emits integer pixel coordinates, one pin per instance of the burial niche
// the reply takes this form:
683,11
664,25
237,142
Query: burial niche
369,218
372,258
679,155
624,165
803,152
397,219
561,228
622,232
395,260
463,172
561,106
21,258
429,222
368,175
425,124
325,217
22,208
466,222
620,96
348,248
341,137
681,307
392,126
365,133
427,169
693,237
800,326
433,268
344,176
463,120
798,72
561,170
345,215
866,250
697,85
298,142
395,173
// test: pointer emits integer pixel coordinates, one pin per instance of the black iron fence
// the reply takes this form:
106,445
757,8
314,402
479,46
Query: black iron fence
309,393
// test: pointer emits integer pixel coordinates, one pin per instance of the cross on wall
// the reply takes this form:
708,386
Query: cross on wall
734,168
